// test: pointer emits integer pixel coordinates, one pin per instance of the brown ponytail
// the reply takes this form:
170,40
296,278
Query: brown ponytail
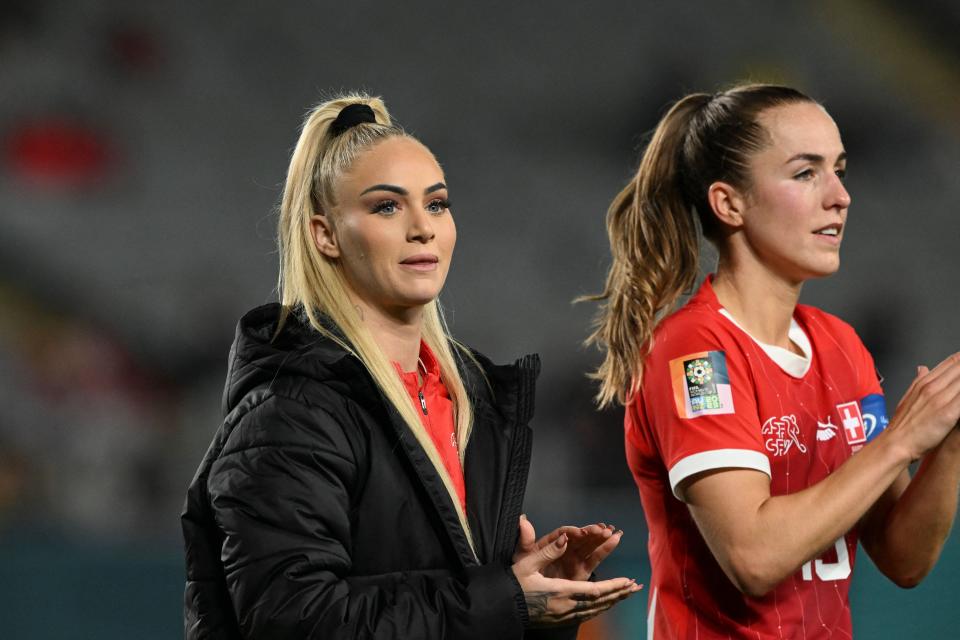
653,222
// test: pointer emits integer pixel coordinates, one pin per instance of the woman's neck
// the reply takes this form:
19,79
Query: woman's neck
761,302
398,332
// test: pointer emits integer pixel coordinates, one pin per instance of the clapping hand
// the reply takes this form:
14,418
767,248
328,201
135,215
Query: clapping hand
586,548
553,572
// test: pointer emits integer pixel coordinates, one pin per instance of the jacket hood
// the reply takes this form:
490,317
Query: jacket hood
258,357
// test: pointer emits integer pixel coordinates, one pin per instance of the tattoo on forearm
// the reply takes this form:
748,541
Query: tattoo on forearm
537,603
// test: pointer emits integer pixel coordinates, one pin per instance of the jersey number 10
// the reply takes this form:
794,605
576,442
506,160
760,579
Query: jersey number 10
839,570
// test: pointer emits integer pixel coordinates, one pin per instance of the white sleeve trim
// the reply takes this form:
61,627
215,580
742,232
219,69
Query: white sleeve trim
717,459
652,615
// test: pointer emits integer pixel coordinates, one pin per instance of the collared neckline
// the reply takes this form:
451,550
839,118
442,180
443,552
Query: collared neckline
427,365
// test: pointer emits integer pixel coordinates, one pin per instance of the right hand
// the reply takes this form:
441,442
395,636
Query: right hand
930,408
555,601
586,548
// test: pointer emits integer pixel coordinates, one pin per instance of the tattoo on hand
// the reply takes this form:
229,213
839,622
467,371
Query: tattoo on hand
583,601
537,603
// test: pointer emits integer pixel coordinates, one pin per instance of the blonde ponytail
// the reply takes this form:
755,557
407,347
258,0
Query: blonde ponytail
311,281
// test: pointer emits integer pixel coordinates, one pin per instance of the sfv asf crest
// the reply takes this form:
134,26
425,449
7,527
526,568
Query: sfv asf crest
782,433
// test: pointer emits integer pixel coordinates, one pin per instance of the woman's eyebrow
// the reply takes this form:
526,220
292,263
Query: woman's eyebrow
815,157
385,187
436,187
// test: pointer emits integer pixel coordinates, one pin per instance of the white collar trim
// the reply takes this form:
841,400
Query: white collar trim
793,364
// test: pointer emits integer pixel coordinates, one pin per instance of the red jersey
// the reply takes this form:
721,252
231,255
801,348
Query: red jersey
713,397
433,404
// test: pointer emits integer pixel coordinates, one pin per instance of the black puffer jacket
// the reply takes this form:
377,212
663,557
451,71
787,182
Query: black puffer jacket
316,514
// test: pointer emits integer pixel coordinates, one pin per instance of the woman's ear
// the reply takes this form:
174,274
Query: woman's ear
727,204
324,236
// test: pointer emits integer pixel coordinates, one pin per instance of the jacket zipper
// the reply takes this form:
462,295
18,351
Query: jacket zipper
516,482
423,402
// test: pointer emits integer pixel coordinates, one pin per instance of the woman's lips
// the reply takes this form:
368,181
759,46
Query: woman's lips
421,262
830,234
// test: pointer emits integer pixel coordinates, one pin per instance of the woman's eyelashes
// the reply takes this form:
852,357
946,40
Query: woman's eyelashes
388,207
810,173
438,205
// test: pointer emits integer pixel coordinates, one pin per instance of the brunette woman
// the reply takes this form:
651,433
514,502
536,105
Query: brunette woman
755,426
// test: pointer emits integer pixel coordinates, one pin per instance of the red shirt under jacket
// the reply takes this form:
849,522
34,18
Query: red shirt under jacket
435,409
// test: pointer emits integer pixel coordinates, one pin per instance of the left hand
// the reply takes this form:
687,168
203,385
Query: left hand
587,547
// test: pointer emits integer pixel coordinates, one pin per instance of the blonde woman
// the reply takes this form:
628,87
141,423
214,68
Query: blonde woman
368,478
755,426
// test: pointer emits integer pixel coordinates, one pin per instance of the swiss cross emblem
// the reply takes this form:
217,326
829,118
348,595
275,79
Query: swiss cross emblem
852,422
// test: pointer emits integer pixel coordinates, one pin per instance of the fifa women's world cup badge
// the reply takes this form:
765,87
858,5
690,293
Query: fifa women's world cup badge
701,385
700,372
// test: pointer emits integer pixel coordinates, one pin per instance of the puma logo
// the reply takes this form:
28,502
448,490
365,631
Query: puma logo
826,430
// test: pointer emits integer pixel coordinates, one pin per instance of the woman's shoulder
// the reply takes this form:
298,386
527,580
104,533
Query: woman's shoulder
827,331
507,387
693,327
283,385
816,320
278,347
810,312
475,362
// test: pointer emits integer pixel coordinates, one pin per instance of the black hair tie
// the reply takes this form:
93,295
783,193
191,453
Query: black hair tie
350,116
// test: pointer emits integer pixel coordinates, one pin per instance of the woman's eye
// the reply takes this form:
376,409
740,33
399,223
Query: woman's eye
386,207
806,174
841,173
438,206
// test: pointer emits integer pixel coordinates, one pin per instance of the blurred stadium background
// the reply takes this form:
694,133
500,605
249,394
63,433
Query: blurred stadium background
143,150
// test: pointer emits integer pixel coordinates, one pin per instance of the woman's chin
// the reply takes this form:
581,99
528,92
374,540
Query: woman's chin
414,302
826,270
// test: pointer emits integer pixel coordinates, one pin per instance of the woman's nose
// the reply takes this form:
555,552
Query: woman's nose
420,228
838,197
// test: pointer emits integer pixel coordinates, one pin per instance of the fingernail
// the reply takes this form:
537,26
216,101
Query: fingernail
523,516
619,532
562,540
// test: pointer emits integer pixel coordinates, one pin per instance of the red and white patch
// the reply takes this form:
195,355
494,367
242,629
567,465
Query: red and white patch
852,422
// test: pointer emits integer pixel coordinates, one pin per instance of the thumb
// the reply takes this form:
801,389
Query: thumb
528,535
536,560
548,553
922,370
526,541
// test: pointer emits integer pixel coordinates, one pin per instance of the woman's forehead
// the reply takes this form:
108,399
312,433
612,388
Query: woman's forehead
801,128
397,158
